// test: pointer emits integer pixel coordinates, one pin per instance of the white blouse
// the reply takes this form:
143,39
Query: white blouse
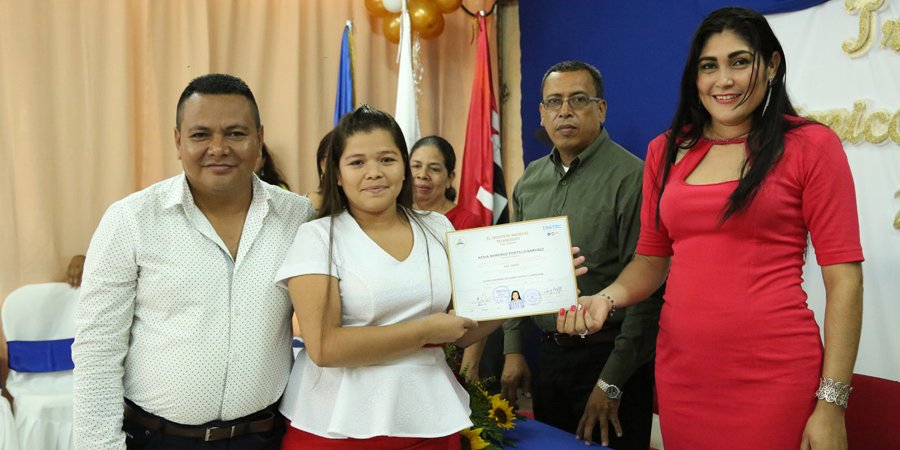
413,396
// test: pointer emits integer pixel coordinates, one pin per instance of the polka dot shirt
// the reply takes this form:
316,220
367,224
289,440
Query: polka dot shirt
169,320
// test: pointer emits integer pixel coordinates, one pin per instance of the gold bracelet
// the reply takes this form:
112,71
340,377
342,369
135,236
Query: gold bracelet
612,303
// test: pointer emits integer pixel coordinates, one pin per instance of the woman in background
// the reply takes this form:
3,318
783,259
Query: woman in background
433,164
315,197
268,172
731,192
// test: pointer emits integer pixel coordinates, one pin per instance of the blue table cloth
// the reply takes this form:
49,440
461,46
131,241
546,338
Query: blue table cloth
533,435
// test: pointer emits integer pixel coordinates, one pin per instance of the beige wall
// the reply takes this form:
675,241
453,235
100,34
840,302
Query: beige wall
88,91
510,95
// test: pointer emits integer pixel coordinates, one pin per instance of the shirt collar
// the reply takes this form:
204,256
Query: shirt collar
180,193
585,155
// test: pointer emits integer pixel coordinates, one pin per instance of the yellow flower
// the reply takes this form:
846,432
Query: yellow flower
501,412
473,439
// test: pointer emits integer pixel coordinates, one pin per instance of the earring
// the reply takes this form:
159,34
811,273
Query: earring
768,95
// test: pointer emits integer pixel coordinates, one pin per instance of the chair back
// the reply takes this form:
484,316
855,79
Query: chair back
39,326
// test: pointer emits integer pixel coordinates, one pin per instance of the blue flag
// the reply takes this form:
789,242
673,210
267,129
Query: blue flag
344,100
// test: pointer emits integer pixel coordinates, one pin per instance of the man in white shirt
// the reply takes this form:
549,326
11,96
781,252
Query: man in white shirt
180,327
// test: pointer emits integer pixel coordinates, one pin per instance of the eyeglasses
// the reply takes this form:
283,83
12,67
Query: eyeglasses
579,101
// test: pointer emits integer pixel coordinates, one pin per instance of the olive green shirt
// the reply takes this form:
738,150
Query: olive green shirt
601,195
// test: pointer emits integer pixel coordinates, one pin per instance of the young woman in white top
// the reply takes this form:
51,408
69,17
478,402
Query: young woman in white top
370,283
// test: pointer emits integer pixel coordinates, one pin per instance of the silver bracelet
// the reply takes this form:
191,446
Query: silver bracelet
833,391
612,303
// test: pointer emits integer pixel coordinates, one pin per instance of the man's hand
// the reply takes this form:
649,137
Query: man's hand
471,361
515,375
578,262
600,410
75,270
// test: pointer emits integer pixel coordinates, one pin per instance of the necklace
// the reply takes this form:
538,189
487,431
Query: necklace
726,141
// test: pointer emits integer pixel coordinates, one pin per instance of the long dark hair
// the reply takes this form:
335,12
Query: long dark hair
446,151
768,125
269,171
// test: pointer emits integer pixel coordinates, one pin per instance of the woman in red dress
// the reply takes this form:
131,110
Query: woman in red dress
731,193
433,164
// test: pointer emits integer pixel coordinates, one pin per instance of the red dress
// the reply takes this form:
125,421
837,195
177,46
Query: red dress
462,219
739,353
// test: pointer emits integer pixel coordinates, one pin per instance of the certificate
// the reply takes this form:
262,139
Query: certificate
512,270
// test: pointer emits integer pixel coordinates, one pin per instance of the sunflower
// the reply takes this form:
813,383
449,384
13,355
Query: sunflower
501,412
472,439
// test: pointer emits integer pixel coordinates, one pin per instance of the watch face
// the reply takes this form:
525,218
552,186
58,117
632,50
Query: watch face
613,392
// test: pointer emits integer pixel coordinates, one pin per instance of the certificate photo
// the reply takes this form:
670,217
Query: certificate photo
512,270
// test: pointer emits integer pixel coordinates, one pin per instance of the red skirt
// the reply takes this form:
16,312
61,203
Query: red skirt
296,439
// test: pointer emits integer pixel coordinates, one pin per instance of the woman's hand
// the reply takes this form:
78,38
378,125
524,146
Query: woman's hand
825,429
446,327
588,316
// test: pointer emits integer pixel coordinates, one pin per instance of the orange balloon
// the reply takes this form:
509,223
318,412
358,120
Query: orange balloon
426,18
376,8
390,25
448,6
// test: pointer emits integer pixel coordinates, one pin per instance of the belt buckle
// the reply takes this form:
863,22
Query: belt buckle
556,339
563,342
208,435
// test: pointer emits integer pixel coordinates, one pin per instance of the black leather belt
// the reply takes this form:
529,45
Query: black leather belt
260,422
605,336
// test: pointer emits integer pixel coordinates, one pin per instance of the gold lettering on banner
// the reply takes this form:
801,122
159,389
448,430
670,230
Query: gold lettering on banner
891,39
877,136
857,125
897,217
860,45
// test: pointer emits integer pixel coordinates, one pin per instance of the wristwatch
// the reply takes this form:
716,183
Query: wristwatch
612,391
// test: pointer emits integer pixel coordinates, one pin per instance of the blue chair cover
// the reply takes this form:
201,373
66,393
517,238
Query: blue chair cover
41,356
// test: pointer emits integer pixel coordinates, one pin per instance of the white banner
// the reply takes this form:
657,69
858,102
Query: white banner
844,70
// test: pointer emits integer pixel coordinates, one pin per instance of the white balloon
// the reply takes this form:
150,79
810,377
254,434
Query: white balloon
393,6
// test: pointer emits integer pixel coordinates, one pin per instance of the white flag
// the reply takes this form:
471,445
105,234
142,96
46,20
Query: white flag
406,113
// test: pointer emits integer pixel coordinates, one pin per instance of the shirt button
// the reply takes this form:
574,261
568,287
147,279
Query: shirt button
564,182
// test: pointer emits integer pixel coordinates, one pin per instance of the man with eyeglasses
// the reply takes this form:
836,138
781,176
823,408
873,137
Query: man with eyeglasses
598,385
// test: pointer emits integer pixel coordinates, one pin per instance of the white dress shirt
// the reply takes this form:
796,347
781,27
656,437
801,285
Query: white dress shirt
412,396
168,320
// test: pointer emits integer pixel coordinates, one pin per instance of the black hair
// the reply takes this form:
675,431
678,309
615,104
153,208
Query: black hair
768,124
322,156
269,171
364,119
217,84
574,66
446,151
515,292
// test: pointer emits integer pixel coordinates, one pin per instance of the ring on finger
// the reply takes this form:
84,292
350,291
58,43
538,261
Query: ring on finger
583,333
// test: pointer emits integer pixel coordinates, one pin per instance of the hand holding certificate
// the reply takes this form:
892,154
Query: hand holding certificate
512,270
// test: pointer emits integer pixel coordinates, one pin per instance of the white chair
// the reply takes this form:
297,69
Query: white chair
38,321
9,435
